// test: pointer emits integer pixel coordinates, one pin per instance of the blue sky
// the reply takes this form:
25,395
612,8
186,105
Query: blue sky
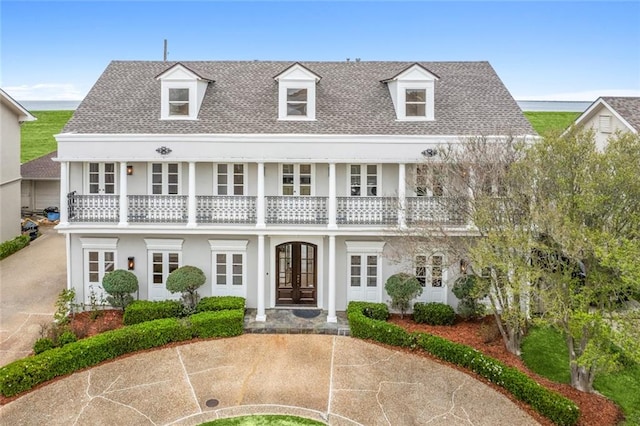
542,50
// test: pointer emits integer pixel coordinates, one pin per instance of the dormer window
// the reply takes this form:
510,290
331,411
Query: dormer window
416,102
413,93
297,93
179,102
297,102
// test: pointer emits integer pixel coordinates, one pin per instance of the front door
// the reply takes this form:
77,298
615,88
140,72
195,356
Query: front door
296,274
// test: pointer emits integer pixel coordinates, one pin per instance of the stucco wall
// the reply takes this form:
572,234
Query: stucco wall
9,174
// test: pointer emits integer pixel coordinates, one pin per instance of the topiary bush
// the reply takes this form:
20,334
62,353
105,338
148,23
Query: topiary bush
402,288
119,284
220,303
186,280
469,289
433,313
147,310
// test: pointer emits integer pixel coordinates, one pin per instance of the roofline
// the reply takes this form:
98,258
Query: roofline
592,108
318,76
185,67
24,115
412,65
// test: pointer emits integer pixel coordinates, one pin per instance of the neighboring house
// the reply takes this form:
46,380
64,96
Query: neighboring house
40,184
12,114
608,115
289,184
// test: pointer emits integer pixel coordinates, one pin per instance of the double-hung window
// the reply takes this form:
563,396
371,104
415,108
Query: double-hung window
296,102
178,102
415,102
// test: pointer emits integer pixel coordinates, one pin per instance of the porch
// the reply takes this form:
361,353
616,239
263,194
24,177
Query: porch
296,321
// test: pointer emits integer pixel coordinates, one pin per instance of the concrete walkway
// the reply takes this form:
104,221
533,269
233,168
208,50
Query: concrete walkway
335,379
30,281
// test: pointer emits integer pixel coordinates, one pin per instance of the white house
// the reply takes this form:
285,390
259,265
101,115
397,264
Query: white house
608,115
12,114
40,183
286,183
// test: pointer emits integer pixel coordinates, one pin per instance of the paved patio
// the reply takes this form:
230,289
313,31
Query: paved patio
296,321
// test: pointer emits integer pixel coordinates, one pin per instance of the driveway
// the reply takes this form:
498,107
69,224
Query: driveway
336,379
30,281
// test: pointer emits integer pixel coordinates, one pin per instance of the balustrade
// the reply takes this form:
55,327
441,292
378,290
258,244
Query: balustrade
297,210
436,210
93,208
226,209
367,210
157,208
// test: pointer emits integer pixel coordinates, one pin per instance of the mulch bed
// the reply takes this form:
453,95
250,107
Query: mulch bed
595,410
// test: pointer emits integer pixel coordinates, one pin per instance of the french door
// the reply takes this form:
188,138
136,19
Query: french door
97,264
102,178
297,179
296,272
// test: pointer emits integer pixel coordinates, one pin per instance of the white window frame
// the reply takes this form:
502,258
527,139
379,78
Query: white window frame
101,177
430,174
228,248
284,85
431,293
102,246
165,177
230,178
605,123
296,179
363,249
407,102
428,87
171,103
165,247
193,104
363,180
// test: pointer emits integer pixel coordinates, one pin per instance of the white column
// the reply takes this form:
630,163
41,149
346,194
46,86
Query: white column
261,314
64,190
260,205
332,196
124,208
402,196
331,314
191,200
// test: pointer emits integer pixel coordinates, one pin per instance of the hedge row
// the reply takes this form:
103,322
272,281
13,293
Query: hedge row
24,374
146,310
9,247
552,405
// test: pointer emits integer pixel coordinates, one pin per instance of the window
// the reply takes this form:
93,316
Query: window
228,261
230,179
179,102
421,270
163,256
604,123
229,269
415,102
102,178
429,181
165,178
297,179
436,271
99,259
364,273
364,270
297,102
363,180
163,263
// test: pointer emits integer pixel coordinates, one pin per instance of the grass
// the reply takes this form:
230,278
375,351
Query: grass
544,351
544,122
37,136
264,420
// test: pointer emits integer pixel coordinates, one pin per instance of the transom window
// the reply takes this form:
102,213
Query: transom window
297,102
416,102
230,179
178,101
363,180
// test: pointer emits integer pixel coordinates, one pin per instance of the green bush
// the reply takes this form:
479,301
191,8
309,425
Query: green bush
469,289
433,313
365,327
220,303
402,288
119,284
9,247
146,310
186,280
224,323
67,337
43,344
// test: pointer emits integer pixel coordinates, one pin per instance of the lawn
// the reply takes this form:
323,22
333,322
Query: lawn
544,121
37,136
545,352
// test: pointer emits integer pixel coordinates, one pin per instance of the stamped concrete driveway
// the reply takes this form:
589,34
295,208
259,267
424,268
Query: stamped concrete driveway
30,281
335,379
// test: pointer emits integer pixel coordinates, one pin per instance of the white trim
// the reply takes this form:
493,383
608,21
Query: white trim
99,243
165,176
593,110
365,246
228,245
230,175
363,179
296,178
23,114
229,248
163,243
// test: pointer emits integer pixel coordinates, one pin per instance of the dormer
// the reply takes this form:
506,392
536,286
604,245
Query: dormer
413,93
297,93
181,93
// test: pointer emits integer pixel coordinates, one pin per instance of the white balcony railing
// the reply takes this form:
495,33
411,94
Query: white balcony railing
157,208
93,208
226,209
436,210
367,210
297,210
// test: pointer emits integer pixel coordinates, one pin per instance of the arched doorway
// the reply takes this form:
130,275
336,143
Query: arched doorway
296,274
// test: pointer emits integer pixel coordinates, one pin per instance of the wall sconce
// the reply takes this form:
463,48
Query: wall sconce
129,170
131,263
463,266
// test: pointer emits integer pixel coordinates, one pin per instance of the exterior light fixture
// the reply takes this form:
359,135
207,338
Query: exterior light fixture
430,152
463,266
131,263
163,150
129,169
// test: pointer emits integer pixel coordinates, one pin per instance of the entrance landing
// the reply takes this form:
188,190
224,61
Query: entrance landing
285,321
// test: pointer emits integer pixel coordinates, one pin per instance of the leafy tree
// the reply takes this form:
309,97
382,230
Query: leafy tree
402,288
186,280
119,284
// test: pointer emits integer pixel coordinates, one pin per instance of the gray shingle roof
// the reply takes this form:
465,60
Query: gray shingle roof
41,168
470,99
627,107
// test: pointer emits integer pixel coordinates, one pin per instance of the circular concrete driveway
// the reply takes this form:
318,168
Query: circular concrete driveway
339,380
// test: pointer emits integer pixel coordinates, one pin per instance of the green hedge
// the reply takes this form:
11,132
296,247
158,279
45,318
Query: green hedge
146,310
24,374
433,313
552,405
9,247
220,303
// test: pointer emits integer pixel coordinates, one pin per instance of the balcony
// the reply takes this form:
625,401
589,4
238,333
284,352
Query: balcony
282,210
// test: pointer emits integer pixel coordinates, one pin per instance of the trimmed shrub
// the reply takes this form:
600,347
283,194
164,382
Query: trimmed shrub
186,280
9,247
220,303
402,288
433,313
222,323
43,344
146,310
67,337
469,289
365,327
119,284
